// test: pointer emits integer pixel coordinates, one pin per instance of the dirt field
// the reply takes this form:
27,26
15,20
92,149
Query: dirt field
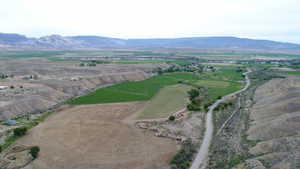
97,137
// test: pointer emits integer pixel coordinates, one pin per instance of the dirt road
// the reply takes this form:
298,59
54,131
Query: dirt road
202,154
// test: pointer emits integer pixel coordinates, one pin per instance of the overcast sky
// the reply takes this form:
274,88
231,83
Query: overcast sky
262,19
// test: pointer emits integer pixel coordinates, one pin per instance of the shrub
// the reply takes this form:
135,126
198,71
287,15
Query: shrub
171,118
34,151
20,131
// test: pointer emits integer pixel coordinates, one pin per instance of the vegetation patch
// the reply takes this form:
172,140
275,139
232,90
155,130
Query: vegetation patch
231,73
219,88
184,158
34,151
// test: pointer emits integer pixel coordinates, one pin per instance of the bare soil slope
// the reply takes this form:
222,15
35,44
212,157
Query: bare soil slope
276,123
97,137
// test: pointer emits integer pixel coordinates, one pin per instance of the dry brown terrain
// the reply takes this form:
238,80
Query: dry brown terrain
275,123
55,82
97,137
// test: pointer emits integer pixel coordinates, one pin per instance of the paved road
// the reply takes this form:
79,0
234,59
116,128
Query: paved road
204,148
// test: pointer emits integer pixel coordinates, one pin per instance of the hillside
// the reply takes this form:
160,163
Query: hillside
57,42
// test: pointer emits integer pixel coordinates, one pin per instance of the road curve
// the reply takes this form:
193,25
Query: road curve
202,154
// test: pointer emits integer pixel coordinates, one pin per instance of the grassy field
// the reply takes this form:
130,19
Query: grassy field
224,73
218,88
168,100
289,72
133,91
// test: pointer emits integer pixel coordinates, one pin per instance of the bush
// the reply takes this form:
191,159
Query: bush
20,131
172,118
34,151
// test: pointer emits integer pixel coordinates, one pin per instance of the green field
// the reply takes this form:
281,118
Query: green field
133,91
288,72
222,82
224,73
218,88
168,100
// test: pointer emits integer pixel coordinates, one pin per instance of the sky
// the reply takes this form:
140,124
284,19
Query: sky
259,19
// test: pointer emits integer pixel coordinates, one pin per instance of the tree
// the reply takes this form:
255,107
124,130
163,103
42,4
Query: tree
34,151
21,131
200,68
193,93
171,118
160,71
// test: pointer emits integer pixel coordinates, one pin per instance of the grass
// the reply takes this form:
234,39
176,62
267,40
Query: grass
222,82
168,100
219,88
289,72
224,73
133,91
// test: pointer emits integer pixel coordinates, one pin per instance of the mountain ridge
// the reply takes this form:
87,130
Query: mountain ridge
58,42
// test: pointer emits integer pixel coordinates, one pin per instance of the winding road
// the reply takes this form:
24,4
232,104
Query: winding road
202,154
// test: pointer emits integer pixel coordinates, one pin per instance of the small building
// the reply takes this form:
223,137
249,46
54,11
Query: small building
3,87
10,122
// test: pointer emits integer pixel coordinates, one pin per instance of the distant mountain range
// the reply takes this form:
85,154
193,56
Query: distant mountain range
57,42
